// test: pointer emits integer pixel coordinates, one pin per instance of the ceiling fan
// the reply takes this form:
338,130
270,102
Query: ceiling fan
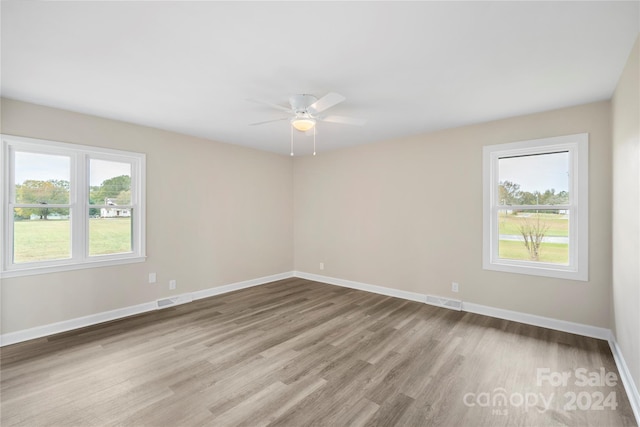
305,110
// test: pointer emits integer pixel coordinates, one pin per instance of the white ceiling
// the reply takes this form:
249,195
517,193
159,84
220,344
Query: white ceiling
405,67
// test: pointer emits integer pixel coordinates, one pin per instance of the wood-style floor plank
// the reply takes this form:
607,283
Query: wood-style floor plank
296,352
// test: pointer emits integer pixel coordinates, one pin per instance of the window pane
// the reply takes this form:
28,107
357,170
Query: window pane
41,178
541,236
110,231
41,234
540,179
110,183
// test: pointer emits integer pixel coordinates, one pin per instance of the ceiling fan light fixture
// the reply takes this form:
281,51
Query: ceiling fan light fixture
303,124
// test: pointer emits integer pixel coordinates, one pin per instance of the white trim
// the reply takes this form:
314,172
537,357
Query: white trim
412,296
69,267
541,321
105,316
529,319
78,322
206,293
627,380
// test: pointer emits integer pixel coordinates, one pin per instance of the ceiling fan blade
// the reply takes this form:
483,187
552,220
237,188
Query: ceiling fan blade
344,120
270,104
327,101
269,121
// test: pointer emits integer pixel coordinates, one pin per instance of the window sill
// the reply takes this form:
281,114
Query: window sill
545,270
69,267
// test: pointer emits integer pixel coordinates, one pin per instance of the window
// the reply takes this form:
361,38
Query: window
67,206
536,207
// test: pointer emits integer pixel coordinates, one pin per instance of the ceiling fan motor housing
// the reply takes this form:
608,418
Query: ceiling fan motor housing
300,103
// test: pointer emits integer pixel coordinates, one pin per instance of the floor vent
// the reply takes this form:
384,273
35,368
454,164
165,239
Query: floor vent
173,301
452,304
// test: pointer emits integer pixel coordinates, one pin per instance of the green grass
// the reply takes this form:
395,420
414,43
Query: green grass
109,235
42,240
510,224
558,224
47,240
557,253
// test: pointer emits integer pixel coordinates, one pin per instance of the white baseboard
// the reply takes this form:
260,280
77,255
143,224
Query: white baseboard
78,322
544,322
93,319
412,296
627,380
530,319
67,325
206,293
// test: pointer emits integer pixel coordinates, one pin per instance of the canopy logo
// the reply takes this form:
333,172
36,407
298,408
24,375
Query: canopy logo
499,400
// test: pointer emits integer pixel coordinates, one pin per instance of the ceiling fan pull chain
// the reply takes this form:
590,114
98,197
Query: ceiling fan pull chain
314,140
291,140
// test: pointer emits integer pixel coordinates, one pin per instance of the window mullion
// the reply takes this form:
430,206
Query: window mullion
40,205
495,233
135,177
534,207
8,198
79,221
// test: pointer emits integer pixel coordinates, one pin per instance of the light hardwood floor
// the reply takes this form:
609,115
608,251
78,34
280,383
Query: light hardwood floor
301,353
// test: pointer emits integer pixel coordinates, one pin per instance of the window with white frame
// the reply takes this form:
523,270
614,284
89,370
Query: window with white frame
68,206
536,207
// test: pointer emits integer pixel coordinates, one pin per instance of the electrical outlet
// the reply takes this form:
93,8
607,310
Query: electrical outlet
454,286
152,277
322,266
172,284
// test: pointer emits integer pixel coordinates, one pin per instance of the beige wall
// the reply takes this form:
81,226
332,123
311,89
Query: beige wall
404,214
216,214
626,213
407,214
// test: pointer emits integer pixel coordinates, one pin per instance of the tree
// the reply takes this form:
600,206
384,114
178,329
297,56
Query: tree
529,198
549,197
42,193
118,187
509,193
124,198
533,232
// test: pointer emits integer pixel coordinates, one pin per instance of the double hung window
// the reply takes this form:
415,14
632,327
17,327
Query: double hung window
536,207
67,206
